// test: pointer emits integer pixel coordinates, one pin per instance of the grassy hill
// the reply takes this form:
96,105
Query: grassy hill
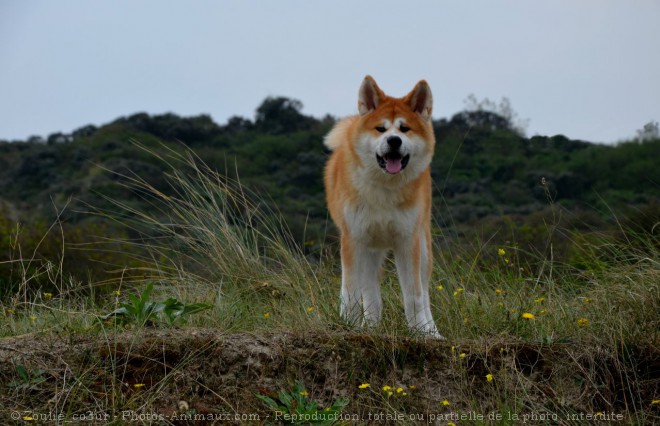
159,265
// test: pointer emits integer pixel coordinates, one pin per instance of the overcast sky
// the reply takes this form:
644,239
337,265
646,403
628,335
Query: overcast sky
587,69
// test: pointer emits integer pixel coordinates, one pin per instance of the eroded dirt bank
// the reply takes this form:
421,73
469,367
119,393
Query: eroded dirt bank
158,375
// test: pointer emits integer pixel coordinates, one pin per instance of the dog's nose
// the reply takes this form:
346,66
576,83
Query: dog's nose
394,142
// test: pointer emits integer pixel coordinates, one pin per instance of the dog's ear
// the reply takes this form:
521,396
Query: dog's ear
370,95
420,99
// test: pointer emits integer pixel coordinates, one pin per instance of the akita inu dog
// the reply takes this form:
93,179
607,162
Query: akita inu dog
378,189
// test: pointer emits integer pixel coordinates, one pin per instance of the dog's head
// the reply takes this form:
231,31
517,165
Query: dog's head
395,134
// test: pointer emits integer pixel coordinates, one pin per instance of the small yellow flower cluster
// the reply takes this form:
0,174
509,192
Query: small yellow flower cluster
364,386
461,355
528,315
310,309
582,322
399,391
501,253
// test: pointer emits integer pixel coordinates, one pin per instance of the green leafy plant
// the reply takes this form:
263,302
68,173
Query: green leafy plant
296,407
27,379
142,310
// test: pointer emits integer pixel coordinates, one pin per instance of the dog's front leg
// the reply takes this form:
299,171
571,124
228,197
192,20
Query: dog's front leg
369,262
360,287
350,307
412,259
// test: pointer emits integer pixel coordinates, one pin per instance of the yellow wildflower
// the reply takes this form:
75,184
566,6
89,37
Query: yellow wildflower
33,318
310,309
528,315
440,287
28,418
539,300
267,315
386,388
138,385
655,402
462,355
445,403
582,322
48,295
587,300
489,377
501,251
399,390
451,424
304,393
404,394
390,393
117,293
499,291
364,385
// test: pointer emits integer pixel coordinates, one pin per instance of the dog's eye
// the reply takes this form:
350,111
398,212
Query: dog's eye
381,129
404,128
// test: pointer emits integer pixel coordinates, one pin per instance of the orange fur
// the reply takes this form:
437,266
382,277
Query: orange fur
378,190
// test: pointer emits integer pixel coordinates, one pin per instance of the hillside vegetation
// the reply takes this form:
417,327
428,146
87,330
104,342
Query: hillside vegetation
169,266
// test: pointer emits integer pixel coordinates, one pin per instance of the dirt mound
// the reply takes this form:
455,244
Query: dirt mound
158,375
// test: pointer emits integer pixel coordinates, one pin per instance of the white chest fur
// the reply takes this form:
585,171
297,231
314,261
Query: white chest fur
378,221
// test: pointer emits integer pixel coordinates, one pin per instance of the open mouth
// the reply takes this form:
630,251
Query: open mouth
393,162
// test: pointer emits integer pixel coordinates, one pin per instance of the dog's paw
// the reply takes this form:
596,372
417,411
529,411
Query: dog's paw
430,331
436,336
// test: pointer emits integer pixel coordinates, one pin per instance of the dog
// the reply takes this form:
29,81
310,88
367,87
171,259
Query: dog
378,190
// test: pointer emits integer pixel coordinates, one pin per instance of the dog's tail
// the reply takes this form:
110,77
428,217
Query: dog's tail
339,133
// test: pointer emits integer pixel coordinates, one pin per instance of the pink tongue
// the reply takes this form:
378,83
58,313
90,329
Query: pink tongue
393,165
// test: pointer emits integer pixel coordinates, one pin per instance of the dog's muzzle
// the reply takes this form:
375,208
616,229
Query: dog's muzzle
392,161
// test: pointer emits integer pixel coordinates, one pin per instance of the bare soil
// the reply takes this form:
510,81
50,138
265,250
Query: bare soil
211,373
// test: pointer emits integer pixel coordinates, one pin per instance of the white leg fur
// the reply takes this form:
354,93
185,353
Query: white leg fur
349,309
360,290
368,276
414,287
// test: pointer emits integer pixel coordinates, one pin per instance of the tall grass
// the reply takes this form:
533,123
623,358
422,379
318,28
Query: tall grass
213,240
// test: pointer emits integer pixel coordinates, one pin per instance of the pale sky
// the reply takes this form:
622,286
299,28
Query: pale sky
588,69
